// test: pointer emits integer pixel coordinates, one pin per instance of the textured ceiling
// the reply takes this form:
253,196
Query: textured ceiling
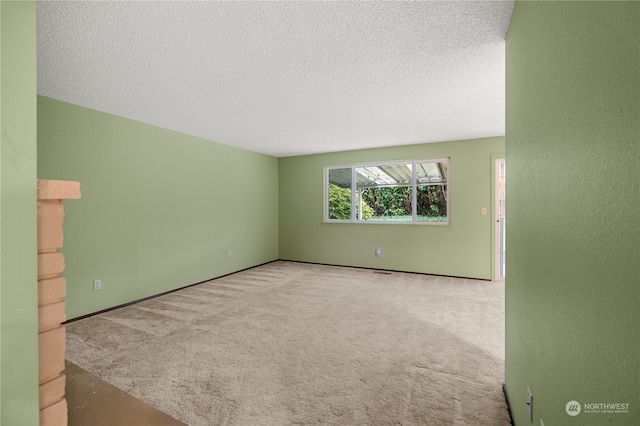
283,78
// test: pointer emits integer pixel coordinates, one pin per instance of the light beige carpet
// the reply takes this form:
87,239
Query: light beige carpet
298,344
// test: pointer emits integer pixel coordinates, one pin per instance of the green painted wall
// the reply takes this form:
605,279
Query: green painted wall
573,209
18,239
461,249
159,209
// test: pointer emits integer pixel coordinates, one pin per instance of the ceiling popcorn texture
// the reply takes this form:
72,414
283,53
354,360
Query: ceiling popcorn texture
283,78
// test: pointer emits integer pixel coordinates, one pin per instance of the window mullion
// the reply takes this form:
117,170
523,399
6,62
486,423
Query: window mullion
414,193
353,194
327,201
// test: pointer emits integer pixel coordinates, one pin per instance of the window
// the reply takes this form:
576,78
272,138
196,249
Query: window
402,192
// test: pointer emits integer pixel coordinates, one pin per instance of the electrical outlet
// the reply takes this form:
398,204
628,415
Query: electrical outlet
378,252
97,285
229,254
483,211
529,405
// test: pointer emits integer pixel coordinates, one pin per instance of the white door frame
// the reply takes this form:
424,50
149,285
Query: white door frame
499,179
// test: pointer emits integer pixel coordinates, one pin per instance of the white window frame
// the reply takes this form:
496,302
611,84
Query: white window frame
414,193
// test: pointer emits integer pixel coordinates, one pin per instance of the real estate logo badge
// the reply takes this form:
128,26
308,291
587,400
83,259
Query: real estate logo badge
573,408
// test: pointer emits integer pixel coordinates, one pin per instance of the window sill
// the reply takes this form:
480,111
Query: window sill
326,222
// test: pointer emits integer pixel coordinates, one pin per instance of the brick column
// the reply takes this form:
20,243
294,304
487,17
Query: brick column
51,292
